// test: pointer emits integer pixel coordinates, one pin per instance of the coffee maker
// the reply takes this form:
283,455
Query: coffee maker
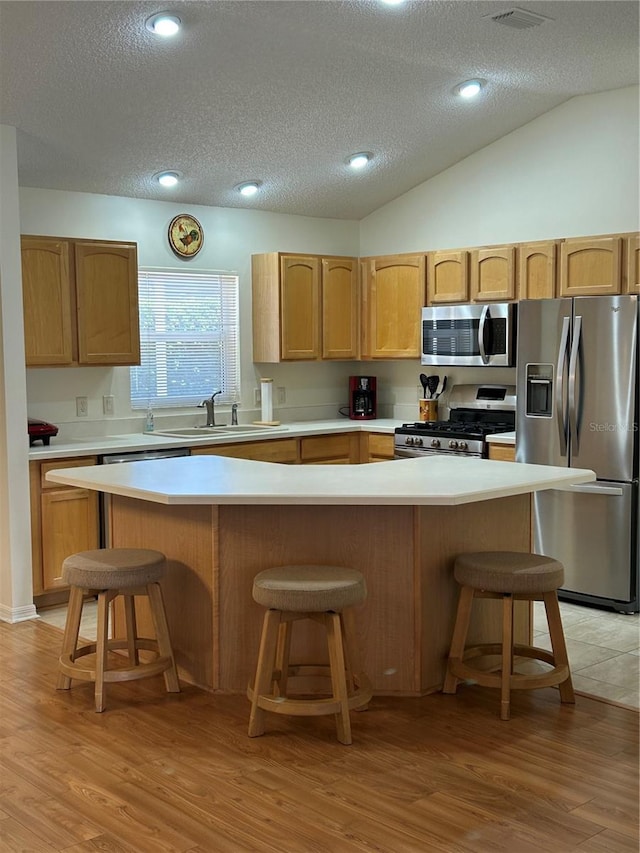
362,397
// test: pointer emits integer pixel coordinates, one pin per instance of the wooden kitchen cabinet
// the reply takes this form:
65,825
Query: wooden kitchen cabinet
393,294
493,274
64,520
537,270
447,277
632,265
591,266
502,452
305,307
80,302
270,450
376,447
338,449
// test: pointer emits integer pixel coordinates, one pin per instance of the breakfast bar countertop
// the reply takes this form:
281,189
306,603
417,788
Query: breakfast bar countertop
202,480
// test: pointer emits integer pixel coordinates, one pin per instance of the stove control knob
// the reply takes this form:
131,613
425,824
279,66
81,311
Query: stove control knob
409,441
435,442
463,445
419,442
453,445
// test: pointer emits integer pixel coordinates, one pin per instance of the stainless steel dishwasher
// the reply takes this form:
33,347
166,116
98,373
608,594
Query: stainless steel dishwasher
133,456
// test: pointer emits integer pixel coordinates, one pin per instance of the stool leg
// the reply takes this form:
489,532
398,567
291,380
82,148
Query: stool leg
161,628
507,657
338,675
264,670
282,658
71,632
461,627
352,652
102,648
558,644
132,631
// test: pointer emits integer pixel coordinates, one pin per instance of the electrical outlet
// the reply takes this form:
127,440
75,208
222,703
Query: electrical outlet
108,404
282,395
257,397
82,407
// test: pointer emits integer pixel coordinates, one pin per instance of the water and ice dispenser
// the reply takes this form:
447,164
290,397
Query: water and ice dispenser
539,399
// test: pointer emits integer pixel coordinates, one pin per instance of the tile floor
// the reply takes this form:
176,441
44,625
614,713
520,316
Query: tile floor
603,647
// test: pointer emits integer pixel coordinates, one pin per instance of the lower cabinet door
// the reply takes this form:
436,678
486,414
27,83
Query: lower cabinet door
69,525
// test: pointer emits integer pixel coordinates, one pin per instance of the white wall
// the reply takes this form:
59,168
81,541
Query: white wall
571,172
15,533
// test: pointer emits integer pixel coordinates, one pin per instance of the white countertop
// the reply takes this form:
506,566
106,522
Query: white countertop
133,442
436,480
508,438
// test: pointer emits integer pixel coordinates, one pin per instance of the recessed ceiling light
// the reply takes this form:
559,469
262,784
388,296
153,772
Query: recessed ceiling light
360,160
392,2
248,188
163,24
167,179
470,88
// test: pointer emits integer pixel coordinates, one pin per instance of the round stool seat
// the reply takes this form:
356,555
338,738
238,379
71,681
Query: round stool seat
509,572
309,589
113,568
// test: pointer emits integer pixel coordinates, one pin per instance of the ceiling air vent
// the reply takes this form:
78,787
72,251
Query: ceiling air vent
518,19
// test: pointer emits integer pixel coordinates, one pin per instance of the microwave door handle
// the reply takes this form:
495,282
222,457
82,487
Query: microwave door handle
562,357
482,325
573,368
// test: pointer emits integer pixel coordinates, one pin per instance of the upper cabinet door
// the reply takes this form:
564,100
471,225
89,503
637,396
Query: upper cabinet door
396,297
107,294
537,265
632,283
447,277
47,295
340,308
591,266
493,274
300,307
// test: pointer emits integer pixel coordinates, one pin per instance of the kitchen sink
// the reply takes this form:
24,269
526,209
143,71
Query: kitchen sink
222,430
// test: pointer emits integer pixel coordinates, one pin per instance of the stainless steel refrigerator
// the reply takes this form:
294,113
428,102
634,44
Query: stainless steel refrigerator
577,405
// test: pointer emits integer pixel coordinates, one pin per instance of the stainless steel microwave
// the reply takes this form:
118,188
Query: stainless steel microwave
469,335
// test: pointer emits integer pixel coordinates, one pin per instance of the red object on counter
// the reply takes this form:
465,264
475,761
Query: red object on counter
40,430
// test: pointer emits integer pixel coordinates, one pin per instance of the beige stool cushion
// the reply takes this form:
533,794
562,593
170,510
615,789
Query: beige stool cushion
509,571
113,568
309,589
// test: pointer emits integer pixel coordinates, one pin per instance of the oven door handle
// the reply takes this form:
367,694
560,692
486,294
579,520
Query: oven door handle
482,325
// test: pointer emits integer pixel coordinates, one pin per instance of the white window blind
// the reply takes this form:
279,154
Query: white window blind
188,338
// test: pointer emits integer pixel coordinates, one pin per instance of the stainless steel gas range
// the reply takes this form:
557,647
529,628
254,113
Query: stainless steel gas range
475,411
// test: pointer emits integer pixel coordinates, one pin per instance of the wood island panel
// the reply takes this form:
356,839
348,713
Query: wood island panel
405,552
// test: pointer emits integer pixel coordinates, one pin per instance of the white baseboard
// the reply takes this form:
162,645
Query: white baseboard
18,614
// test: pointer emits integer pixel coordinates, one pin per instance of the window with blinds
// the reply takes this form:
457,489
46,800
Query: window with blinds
188,338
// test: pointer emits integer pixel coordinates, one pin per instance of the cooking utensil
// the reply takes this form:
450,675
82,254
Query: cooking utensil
432,384
424,379
444,385
441,386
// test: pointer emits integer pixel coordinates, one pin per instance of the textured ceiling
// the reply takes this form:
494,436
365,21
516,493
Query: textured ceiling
283,92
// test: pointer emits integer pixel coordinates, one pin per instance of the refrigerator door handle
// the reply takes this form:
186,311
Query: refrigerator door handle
596,489
562,357
573,367
481,330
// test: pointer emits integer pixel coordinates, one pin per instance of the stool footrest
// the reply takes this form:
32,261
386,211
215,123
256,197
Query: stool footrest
68,665
518,681
308,707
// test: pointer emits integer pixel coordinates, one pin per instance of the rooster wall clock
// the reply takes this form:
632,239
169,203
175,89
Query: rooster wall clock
185,236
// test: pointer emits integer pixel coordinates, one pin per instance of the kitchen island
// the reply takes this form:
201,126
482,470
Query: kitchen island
221,520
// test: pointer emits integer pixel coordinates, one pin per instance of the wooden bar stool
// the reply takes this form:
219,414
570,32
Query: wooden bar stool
108,573
326,594
511,576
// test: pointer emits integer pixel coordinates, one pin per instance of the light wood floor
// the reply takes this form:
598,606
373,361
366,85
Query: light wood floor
164,772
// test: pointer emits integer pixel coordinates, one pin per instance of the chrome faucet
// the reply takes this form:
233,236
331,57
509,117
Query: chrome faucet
234,414
209,404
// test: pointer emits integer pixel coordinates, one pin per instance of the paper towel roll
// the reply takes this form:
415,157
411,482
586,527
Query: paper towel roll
266,397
